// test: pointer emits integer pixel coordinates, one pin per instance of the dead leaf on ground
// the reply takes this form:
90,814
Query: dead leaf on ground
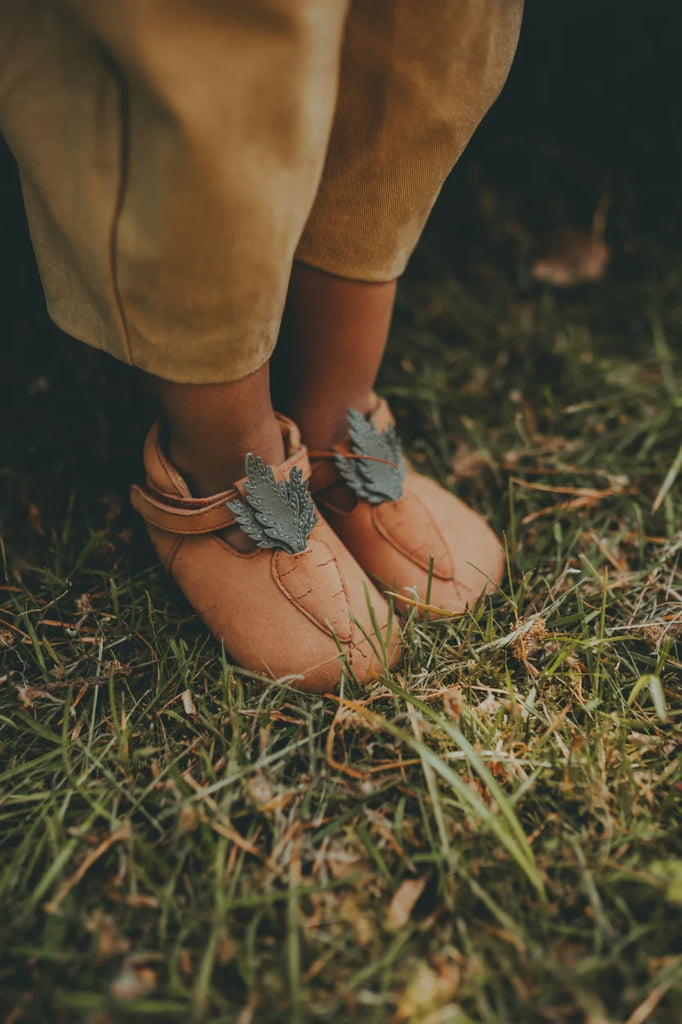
403,903
570,257
188,819
344,862
350,910
7,638
428,990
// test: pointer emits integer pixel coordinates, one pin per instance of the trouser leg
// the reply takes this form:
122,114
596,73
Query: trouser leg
416,80
169,152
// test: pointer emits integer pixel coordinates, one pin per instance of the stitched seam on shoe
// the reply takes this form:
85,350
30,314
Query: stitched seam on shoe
410,554
324,626
186,531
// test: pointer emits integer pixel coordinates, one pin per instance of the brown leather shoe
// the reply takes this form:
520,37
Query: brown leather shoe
286,608
393,520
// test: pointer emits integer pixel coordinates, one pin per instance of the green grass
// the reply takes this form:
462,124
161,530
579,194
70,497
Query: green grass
493,834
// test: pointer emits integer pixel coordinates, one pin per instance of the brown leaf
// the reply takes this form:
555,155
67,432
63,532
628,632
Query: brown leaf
403,903
349,909
572,257
343,861
428,990
188,820
7,638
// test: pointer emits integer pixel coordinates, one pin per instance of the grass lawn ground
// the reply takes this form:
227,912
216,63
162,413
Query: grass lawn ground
492,834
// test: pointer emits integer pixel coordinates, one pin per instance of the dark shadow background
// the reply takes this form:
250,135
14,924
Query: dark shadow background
595,90
591,108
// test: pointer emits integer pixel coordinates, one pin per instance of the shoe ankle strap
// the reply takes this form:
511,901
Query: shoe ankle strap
325,471
184,515
187,515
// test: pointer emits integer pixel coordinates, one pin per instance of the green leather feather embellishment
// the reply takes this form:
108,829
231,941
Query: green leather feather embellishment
378,474
274,515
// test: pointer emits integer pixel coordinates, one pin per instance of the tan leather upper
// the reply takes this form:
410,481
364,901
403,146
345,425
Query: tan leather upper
178,511
282,615
396,541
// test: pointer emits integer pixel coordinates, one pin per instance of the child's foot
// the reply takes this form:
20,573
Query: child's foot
394,521
296,604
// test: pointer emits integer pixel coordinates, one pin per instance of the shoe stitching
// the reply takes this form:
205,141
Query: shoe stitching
352,647
187,529
278,576
328,506
410,554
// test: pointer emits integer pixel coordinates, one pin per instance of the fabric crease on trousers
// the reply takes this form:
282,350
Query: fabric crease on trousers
176,156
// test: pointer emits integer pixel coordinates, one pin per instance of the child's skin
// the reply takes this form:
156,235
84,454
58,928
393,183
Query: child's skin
331,353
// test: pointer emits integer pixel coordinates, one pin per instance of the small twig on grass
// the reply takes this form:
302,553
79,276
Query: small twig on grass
124,831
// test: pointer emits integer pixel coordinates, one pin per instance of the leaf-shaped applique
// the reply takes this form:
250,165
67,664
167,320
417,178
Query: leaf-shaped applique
274,515
378,474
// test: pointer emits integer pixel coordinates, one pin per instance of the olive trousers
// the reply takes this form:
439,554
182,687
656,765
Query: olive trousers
177,155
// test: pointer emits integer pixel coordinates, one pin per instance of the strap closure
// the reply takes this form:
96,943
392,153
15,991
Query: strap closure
183,515
325,472
203,515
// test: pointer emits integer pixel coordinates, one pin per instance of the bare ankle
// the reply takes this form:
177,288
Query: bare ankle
330,349
210,470
214,426
325,423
